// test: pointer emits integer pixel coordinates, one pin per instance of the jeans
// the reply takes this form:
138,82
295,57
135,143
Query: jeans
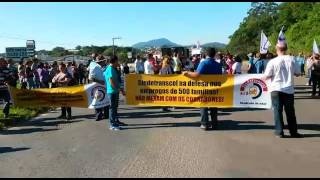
36,84
30,83
315,84
302,69
113,112
4,95
280,100
44,84
310,79
65,110
205,117
102,111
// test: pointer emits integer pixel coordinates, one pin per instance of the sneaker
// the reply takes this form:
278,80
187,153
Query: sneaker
69,118
280,135
6,116
296,135
111,127
99,118
204,127
116,128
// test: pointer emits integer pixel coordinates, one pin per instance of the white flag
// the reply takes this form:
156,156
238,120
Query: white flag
198,44
282,38
264,43
315,47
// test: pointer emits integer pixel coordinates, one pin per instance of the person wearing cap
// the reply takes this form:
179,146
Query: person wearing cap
96,75
281,71
4,82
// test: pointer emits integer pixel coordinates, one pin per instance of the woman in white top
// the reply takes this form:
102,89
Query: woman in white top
236,67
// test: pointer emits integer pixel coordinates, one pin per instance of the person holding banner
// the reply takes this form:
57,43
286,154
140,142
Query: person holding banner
96,75
150,65
165,70
236,67
139,66
208,66
177,64
113,84
281,71
62,79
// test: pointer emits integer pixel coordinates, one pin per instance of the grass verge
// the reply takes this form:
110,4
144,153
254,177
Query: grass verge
18,114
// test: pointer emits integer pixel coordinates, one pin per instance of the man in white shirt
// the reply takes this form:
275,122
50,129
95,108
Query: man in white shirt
281,71
139,65
96,75
149,65
177,64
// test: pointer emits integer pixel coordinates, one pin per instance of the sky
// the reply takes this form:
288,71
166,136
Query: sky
95,23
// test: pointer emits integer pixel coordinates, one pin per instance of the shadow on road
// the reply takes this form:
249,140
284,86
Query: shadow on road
10,149
307,97
46,122
312,127
88,116
225,125
162,125
161,114
240,109
311,135
228,125
222,125
24,131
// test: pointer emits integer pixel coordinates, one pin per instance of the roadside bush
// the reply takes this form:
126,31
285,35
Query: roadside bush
20,114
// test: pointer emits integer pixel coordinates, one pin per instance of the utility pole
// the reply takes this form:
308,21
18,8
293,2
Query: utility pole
113,52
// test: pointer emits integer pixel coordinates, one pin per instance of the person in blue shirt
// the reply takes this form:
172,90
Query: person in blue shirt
113,84
259,63
301,61
250,63
207,66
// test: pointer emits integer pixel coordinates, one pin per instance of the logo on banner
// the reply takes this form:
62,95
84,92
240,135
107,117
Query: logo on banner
98,93
253,88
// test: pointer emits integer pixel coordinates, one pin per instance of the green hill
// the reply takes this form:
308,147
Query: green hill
300,19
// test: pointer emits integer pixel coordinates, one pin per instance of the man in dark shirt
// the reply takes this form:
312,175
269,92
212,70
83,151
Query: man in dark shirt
4,80
207,66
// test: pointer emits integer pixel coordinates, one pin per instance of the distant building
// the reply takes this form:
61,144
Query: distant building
18,53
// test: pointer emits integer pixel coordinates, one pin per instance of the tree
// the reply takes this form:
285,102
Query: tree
300,19
108,52
58,51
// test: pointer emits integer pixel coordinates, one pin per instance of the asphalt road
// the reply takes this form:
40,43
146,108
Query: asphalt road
158,144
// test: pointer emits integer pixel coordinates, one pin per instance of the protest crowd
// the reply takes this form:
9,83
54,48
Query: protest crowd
280,68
